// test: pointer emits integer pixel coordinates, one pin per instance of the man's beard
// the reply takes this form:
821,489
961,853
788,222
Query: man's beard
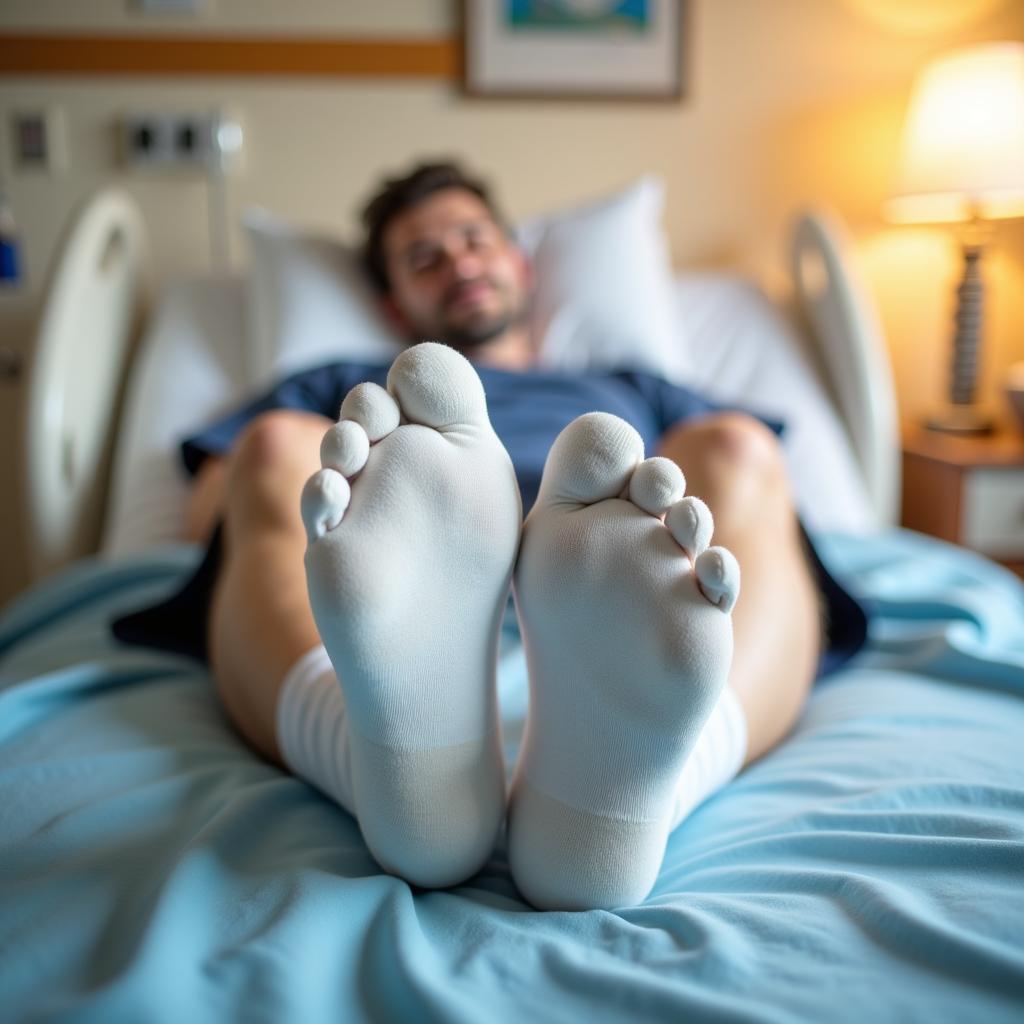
465,337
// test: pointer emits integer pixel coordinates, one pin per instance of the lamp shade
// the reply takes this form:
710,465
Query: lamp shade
963,141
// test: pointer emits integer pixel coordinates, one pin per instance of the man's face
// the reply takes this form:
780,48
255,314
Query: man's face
454,275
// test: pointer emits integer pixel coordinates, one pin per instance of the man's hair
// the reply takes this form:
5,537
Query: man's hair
399,194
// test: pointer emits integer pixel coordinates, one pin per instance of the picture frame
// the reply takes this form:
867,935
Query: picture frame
574,49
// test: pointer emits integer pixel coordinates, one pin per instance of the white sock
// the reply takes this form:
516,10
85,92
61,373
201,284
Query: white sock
312,734
408,568
313,739
628,639
716,758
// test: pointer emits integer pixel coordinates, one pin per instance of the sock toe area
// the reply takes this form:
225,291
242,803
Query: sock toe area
592,459
345,448
372,408
656,484
437,387
718,573
691,524
324,501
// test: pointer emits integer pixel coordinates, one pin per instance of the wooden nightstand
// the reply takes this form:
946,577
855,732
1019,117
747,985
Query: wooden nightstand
967,490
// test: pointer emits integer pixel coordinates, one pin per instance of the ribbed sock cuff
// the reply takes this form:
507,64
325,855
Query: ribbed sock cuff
311,732
717,757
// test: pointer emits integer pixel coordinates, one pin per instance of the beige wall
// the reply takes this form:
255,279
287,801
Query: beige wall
789,101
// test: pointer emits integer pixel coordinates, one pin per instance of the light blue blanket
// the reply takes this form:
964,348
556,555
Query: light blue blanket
871,869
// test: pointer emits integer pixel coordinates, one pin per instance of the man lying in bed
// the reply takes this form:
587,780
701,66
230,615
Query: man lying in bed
649,690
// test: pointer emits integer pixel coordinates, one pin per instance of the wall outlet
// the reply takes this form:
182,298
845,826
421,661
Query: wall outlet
181,142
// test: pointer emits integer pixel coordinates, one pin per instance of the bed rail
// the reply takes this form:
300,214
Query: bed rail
92,311
851,351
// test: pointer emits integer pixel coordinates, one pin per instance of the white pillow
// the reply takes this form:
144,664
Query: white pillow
603,292
604,283
308,301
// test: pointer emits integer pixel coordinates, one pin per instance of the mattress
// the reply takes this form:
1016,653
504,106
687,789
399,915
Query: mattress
870,868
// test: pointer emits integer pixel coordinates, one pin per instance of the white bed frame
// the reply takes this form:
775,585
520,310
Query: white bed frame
91,316
98,293
849,348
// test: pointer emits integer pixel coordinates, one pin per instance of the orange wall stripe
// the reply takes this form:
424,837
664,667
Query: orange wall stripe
257,56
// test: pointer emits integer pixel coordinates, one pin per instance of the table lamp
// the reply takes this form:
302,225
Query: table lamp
963,161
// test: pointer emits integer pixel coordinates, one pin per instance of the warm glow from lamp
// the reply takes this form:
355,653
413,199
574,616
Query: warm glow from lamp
963,160
963,144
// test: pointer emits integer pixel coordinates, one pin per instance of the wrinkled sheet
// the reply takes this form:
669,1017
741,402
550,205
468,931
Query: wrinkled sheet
871,868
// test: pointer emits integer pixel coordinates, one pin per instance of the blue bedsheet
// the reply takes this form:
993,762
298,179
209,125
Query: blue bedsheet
872,868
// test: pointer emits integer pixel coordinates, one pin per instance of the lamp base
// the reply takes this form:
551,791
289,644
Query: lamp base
965,420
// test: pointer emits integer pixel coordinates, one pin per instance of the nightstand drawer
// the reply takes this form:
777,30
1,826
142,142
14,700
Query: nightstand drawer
993,511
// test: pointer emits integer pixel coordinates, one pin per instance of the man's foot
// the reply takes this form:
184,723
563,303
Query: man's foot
625,616
413,525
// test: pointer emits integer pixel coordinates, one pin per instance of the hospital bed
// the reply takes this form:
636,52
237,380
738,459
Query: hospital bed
153,868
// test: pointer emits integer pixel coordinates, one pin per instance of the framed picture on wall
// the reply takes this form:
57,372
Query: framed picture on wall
574,49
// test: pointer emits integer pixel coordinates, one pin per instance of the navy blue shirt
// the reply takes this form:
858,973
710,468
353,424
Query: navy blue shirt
528,409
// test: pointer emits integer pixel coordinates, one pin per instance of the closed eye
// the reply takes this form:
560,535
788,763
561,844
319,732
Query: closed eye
478,237
421,259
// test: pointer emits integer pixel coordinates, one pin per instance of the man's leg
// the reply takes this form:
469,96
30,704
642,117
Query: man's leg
735,465
206,500
260,620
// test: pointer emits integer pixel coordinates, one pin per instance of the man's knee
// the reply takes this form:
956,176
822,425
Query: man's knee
729,442
276,439
735,463
271,460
